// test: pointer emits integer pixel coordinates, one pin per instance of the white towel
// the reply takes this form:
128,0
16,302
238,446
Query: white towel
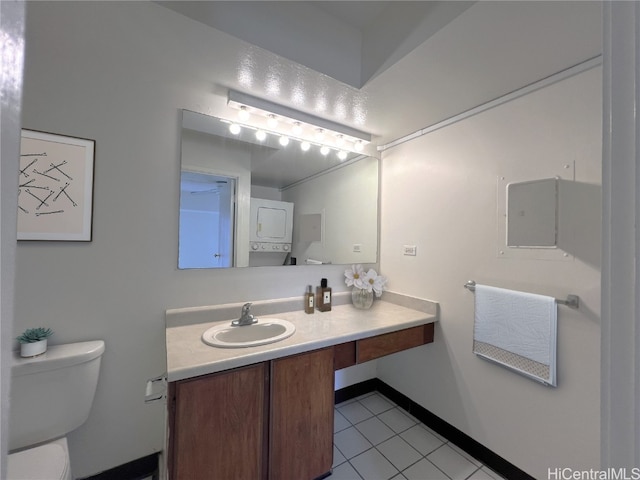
517,330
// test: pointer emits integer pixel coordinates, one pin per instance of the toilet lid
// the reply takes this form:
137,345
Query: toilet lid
47,462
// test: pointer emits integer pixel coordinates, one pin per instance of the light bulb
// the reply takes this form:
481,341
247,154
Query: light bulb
324,150
305,146
297,128
358,146
261,135
340,140
243,114
235,128
342,155
272,121
284,141
319,134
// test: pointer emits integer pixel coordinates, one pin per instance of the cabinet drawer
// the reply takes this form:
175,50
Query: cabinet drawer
388,343
344,355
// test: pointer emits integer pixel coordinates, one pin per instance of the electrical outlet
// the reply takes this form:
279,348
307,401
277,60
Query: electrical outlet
410,250
357,247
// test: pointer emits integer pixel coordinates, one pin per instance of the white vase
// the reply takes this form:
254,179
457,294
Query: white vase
33,349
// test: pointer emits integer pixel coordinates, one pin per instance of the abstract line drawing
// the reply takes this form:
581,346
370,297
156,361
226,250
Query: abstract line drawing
57,167
64,190
55,170
45,175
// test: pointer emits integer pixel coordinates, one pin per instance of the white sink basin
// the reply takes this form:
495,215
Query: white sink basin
269,330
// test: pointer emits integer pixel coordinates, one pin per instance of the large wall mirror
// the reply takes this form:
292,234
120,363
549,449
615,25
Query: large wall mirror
246,201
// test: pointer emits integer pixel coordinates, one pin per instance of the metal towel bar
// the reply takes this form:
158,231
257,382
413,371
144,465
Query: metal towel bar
572,301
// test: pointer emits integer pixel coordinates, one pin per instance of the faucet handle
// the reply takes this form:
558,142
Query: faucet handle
246,308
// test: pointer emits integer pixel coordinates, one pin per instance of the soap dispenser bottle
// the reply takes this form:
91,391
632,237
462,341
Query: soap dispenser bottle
309,306
323,296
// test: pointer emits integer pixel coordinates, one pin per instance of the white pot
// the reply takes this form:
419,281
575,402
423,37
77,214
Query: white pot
33,349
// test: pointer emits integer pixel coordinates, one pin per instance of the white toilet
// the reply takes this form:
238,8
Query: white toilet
51,395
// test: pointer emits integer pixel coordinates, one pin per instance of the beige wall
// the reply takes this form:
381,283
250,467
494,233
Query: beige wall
440,192
347,198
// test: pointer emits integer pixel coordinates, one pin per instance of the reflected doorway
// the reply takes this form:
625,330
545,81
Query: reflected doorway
207,213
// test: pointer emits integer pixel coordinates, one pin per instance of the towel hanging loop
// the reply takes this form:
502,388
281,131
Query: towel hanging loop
572,301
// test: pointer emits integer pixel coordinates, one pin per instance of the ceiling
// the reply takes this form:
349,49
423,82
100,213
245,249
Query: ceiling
393,68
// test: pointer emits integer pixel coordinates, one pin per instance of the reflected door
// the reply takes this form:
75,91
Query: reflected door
207,212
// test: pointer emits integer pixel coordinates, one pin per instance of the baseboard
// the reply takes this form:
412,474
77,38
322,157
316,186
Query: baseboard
142,468
353,391
478,451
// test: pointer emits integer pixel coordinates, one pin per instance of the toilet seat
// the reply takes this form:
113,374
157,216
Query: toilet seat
46,462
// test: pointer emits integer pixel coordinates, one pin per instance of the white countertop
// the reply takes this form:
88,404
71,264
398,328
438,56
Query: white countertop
188,356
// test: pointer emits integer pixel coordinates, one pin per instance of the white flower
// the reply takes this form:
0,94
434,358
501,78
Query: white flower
369,281
374,282
379,284
353,276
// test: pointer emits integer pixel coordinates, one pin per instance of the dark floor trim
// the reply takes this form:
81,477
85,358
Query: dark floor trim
353,391
135,470
465,442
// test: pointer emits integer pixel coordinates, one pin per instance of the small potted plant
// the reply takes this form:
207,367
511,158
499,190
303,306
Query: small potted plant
33,341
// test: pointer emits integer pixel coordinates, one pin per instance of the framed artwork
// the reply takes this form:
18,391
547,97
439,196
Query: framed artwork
55,187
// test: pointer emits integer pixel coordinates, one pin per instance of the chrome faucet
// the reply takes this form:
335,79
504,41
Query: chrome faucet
245,318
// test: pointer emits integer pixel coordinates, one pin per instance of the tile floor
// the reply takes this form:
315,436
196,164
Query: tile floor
374,439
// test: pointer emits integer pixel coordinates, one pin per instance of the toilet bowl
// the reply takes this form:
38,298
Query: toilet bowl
51,395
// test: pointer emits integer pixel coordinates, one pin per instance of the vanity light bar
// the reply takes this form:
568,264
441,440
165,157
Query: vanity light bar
235,128
274,112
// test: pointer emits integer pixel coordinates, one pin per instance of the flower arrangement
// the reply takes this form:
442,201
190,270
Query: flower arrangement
33,335
369,281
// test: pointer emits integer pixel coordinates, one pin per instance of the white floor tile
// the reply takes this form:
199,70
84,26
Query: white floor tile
345,472
475,461
371,465
481,474
491,473
365,395
374,430
355,412
452,463
339,422
432,432
399,452
420,439
374,439
351,442
376,403
397,420
424,470
338,458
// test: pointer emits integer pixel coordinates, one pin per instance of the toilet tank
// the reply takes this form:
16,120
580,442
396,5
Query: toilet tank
51,394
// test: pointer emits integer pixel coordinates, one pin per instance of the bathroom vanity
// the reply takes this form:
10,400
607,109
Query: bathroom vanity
266,412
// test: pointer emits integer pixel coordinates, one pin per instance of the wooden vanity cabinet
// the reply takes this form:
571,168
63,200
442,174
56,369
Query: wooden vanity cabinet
218,425
360,351
393,342
301,443
272,420
268,421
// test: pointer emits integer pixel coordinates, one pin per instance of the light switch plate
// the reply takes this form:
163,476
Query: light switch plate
410,250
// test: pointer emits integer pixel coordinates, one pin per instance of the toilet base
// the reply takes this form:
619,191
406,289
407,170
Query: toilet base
49,461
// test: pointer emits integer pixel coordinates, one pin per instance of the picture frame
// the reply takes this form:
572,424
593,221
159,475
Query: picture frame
55,187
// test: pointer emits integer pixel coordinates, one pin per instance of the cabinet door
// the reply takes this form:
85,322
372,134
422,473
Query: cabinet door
220,427
301,416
